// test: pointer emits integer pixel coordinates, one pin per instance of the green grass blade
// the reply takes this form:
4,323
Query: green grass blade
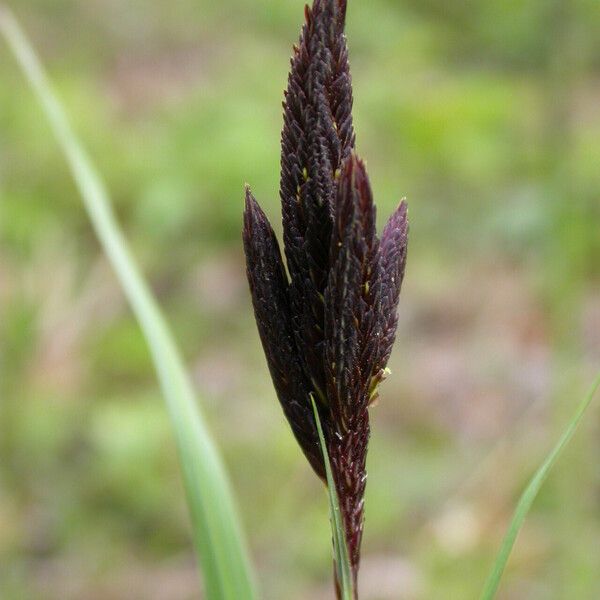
529,495
216,527
340,548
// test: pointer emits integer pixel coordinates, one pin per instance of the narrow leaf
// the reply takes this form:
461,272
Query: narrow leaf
216,526
340,548
529,495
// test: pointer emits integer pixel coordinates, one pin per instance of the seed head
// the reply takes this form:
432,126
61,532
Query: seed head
328,324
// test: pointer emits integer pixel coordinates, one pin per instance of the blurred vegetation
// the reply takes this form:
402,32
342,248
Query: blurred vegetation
485,114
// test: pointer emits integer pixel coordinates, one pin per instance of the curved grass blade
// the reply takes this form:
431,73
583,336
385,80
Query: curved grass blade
529,495
216,527
340,548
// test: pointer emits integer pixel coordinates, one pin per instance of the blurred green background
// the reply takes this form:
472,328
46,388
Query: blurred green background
485,114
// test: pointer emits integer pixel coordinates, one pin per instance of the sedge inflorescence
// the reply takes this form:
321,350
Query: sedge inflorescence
328,323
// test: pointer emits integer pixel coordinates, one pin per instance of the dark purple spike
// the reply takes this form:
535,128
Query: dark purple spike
317,135
351,300
393,252
270,298
353,289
